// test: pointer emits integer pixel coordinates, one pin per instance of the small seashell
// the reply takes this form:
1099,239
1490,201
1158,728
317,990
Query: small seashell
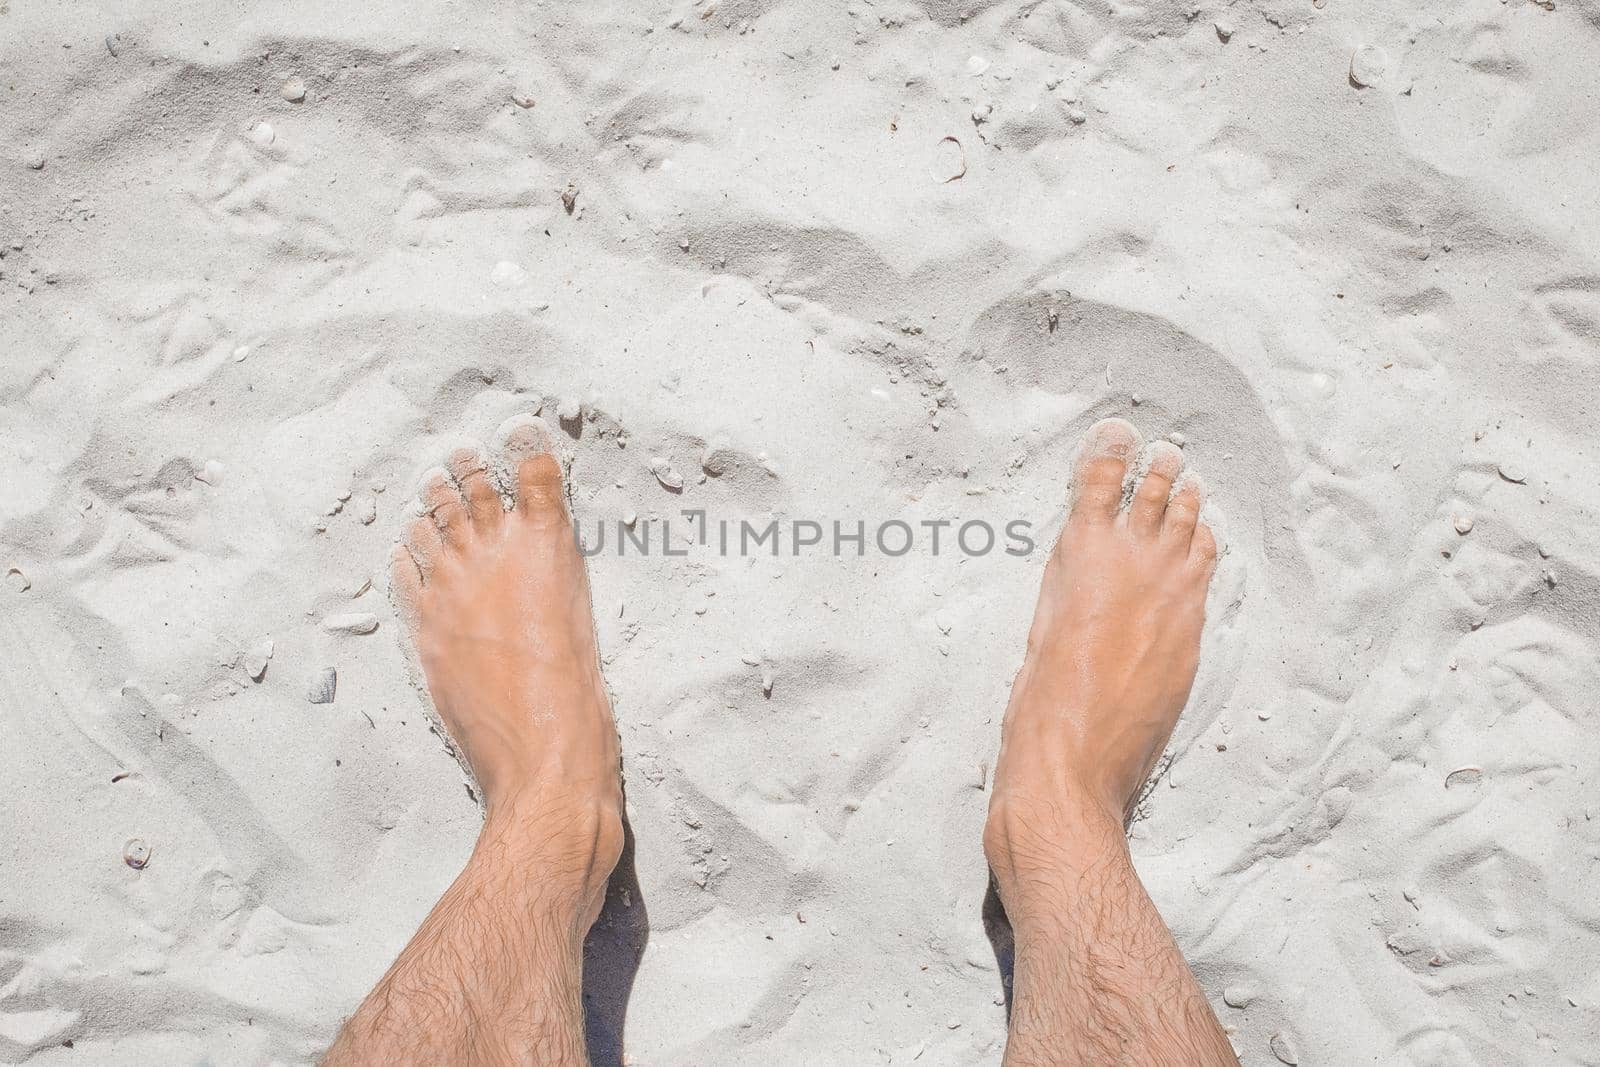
569,199
136,853
294,90
766,680
1282,1046
356,622
17,580
1224,30
322,689
669,478
263,134
1471,774
523,100
240,353
1463,524
1511,472
211,473
1177,438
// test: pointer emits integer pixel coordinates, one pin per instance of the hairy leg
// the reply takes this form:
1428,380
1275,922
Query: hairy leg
1111,658
497,603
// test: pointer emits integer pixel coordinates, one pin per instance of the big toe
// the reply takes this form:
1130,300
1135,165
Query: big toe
1100,468
531,466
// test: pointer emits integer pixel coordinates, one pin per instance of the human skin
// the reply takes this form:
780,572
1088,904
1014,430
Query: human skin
497,605
1111,658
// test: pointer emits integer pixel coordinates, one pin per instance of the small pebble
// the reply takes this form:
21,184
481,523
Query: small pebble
523,100
294,90
368,512
36,162
1177,438
1238,996
323,688
263,134
1282,1046
136,853
1224,31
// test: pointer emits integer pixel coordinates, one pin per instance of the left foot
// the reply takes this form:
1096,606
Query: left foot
497,604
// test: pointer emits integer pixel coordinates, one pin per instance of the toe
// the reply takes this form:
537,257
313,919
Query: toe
405,582
441,499
1183,510
1163,463
470,469
531,466
423,544
1203,550
1100,468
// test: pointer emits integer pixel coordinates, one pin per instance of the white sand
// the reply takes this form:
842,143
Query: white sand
234,328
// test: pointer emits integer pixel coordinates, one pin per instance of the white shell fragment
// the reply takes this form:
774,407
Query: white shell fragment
263,134
508,275
669,478
355,622
255,660
136,853
1463,524
17,580
1282,1046
1367,65
211,473
1511,472
1471,774
322,690
294,90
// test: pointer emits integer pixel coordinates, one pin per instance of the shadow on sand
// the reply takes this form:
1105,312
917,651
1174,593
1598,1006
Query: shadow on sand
611,956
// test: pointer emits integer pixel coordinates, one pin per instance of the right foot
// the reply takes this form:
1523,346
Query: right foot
1111,658
497,603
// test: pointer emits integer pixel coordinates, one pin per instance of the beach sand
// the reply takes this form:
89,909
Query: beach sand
264,263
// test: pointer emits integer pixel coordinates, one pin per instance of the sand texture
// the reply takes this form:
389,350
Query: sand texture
263,263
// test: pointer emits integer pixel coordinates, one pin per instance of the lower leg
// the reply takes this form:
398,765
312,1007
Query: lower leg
494,974
497,605
1111,658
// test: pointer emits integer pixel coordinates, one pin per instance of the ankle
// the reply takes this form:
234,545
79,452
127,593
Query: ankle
567,846
1040,852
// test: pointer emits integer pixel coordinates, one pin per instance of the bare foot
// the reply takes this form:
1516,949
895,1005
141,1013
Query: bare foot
497,602
1111,655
